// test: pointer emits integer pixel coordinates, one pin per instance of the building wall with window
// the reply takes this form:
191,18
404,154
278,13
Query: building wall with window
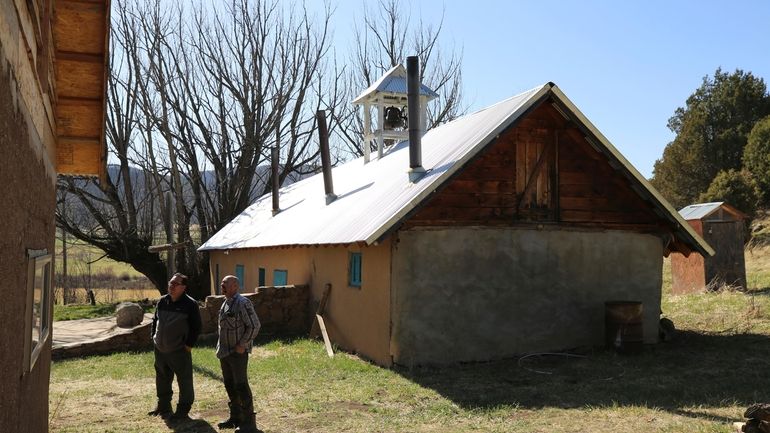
357,315
294,261
27,200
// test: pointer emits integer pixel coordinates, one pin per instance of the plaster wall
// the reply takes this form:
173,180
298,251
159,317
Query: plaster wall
27,199
357,318
476,294
293,260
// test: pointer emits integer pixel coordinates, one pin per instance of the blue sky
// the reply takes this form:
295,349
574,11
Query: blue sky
626,64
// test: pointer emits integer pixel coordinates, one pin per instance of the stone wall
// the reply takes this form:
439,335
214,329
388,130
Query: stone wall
282,310
125,340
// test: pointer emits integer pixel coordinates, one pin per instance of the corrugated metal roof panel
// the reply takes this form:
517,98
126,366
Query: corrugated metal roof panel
374,197
700,210
371,197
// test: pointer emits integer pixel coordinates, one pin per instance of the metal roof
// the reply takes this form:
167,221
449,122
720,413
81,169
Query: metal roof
700,210
374,197
394,82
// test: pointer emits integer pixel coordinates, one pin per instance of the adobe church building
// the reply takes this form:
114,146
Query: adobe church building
514,227
53,58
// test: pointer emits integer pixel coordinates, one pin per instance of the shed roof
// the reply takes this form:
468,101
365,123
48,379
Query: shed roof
702,210
374,198
393,82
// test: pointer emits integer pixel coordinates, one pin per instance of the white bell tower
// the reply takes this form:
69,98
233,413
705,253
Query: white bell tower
389,96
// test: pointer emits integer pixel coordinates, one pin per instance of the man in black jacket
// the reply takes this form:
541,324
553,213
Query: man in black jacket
175,328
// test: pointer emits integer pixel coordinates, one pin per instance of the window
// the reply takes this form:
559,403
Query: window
354,270
239,274
38,323
261,277
280,277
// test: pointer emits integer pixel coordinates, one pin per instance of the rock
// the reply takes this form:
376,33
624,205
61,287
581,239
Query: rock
128,314
760,411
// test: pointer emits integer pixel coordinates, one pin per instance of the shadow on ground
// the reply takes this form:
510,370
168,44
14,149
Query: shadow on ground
693,370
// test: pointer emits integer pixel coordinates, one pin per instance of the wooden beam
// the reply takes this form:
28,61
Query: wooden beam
80,27
78,79
79,157
79,120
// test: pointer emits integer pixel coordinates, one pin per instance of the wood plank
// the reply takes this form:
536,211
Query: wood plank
320,309
79,157
80,27
481,186
597,216
79,121
327,343
76,79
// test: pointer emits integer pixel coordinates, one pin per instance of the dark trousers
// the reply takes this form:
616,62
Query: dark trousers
167,365
234,373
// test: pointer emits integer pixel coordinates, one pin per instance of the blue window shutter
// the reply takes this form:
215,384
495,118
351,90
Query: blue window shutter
280,277
261,276
239,274
354,270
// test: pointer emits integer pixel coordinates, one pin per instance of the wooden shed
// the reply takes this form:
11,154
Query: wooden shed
525,221
53,57
722,226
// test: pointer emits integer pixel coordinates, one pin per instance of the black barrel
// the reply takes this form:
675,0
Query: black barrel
624,326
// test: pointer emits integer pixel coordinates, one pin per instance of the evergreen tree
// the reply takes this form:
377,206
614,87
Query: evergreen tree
756,158
711,133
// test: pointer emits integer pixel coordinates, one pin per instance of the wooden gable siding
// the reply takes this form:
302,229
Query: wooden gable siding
542,170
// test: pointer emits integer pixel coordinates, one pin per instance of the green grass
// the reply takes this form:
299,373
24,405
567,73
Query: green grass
701,382
85,311
80,254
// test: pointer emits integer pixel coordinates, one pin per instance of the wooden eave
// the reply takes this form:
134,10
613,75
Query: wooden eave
81,42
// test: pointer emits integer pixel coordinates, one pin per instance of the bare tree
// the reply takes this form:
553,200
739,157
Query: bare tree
196,100
384,39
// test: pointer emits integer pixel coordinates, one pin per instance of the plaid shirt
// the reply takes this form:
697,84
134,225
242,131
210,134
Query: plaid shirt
238,324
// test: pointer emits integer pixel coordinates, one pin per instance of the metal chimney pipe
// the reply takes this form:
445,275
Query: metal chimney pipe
413,99
274,164
326,163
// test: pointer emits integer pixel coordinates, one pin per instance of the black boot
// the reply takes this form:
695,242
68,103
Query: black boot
182,412
162,409
249,424
235,417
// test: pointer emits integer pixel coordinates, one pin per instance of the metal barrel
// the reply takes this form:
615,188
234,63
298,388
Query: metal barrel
624,326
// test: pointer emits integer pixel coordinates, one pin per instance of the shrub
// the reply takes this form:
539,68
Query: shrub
737,188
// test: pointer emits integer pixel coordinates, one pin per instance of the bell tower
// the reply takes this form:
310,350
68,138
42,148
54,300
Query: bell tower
388,97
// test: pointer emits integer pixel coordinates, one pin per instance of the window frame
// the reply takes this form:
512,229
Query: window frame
355,269
37,311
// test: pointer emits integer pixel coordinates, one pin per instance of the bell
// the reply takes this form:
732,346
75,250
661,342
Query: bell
393,118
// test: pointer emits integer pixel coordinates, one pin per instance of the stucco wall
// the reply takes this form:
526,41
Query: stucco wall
479,294
27,198
294,260
357,318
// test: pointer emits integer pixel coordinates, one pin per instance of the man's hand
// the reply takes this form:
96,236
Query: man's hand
188,348
240,349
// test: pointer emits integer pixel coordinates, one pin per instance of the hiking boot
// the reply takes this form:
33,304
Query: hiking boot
182,413
249,425
162,410
234,420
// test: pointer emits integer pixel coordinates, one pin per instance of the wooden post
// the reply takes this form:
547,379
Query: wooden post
320,320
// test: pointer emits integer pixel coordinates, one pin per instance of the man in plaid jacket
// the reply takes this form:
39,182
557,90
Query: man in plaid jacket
238,326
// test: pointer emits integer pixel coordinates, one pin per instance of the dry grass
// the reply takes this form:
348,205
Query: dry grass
701,382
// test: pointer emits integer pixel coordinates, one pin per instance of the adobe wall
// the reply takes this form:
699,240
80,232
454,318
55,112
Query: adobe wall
477,294
27,199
